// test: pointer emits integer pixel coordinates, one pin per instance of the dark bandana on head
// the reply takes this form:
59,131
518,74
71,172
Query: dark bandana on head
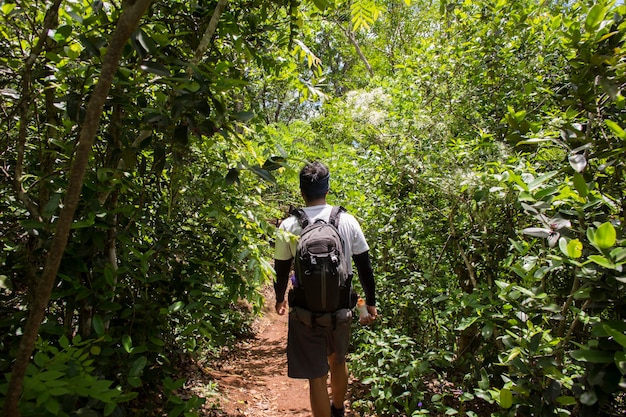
316,185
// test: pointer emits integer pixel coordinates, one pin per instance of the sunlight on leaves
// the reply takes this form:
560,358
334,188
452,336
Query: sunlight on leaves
577,161
615,128
605,236
573,249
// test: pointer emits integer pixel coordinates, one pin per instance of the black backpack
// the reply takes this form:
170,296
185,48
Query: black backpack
321,266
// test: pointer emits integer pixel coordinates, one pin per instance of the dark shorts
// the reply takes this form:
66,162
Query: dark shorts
309,344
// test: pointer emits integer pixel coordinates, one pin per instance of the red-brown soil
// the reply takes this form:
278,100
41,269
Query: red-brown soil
254,382
251,379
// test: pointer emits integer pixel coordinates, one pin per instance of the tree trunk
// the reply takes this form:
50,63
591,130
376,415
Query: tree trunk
127,24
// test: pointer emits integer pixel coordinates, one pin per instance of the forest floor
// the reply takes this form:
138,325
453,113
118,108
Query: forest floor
251,379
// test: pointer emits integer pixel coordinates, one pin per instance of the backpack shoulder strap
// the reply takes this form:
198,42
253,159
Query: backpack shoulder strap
334,215
299,214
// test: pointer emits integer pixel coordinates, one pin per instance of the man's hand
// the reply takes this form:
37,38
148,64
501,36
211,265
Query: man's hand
370,317
281,308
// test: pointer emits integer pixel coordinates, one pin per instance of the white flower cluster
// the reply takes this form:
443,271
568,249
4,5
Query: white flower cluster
369,106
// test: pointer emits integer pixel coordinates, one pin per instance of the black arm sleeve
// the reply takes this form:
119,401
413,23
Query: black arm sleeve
366,276
282,269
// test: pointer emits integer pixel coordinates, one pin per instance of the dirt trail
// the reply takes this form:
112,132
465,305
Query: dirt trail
254,381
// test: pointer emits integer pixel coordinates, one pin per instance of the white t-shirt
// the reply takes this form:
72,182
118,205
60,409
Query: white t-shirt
287,237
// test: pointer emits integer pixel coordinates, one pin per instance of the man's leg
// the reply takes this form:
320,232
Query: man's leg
338,380
320,402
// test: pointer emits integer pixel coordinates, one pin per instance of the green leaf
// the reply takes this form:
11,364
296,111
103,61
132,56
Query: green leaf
263,174
484,379
602,261
580,185
273,163
127,343
615,128
5,283
73,50
599,330
534,342
605,236
155,68
440,298
7,8
541,179
563,246
145,41
618,336
134,381
31,224
98,325
583,293
577,161
592,356
574,249
64,342
181,134
566,400
136,368
534,141
49,376
52,205
177,306
465,323
322,4
506,398
595,16
102,385
40,359
62,33
109,275
232,176
618,254
109,408
487,330
57,391
53,407
620,361
156,341
591,235
81,224
244,116
589,398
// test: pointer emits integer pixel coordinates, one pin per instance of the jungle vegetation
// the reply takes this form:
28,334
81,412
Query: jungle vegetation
148,149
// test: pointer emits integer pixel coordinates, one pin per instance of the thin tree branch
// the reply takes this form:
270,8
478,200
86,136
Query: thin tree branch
350,35
208,34
567,305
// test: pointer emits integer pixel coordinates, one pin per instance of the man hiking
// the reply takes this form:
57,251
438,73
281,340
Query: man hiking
321,300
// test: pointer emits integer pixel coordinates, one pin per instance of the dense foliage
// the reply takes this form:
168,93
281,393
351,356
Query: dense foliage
479,143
